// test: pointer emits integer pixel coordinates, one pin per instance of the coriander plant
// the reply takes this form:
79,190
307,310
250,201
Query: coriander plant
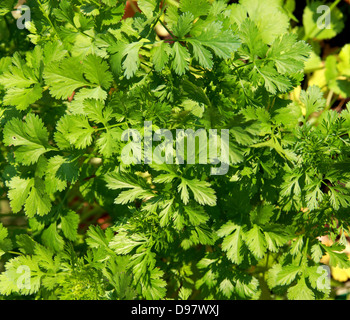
74,104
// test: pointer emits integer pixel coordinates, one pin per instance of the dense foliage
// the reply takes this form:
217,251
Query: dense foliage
82,73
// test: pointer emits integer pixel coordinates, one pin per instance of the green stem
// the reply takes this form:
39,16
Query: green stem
48,18
329,100
242,66
112,126
166,28
14,252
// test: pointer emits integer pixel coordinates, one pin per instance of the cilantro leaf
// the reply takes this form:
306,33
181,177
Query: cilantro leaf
29,137
65,77
29,193
180,61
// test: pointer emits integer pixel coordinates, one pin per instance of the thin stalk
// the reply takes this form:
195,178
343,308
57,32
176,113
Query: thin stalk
112,126
242,66
167,29
48,18
329,99
14,252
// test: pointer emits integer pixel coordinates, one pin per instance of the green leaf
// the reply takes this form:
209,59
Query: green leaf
18,74
131,61
29,193
180,62
337,199
202,55
195,92
22,98
247,286
226,287
316,252
252,40
69,224
297,246
21,83
25,243
268,16
96,111
6,6
233,241
195,7
18,192
29,137
336,257
262,214
73,130
185,293
196,214
184,25
256,241
344,63
52,239
110,3
312,99
288,274
65,13
38,201
223,42
65,77
11,280
54,51
274,81
124,243
155,287
63,168
5,244
137,188
108,142
160,55
90,9
202,192
276,236
148,7
288,54
300,291
97,238
97,71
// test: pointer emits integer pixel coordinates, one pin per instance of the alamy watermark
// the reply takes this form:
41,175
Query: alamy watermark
200,146
323,282
324,21
23,16
23,281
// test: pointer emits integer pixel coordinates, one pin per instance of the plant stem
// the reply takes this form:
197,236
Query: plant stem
242,66
14,252
112,126
48,18
167,29
329,99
